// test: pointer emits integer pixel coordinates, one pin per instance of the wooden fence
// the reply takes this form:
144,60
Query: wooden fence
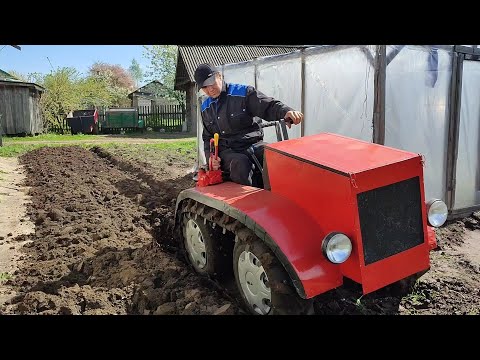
167,117
60,127
164,118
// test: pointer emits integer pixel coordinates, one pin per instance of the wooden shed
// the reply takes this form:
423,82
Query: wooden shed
19,106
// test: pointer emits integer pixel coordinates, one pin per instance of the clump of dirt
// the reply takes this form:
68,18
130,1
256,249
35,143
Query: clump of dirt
451,234
94,249
472,222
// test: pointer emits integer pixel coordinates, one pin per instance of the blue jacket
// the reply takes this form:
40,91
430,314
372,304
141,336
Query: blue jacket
232,114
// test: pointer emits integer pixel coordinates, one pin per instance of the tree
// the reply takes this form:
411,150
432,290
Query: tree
136,72
19,76
61,95
163,63
95,92
31,77
119,82
116,75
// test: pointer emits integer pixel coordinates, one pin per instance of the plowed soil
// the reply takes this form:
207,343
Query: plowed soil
103,245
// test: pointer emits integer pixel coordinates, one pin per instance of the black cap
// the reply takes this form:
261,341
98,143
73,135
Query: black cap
205,75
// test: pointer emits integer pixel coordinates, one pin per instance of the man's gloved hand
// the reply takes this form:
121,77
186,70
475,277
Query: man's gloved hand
295,116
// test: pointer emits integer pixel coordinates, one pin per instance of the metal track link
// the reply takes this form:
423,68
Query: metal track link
218,218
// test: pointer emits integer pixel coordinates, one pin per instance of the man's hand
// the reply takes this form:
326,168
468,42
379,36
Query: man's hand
295,116
216,163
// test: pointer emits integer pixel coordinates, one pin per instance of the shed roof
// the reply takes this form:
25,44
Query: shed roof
147,89
189,57
7,79
6,76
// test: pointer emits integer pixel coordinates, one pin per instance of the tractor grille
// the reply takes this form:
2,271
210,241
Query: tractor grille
390,219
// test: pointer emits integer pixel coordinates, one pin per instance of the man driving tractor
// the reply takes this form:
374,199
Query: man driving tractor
229,111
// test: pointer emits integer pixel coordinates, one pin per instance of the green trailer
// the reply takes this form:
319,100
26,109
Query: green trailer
117,120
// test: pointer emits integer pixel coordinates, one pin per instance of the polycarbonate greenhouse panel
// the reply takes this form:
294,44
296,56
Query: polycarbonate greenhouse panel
468,175
417,111
243,73
339,92
280,79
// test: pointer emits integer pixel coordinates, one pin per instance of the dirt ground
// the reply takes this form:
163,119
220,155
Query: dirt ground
13,220
99,220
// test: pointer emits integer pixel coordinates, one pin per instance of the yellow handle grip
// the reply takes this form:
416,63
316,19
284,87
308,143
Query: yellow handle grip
215,139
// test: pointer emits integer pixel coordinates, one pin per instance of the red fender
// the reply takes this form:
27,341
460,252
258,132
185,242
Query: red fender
289,231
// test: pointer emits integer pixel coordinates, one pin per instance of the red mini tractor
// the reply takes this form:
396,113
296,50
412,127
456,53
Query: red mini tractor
332,207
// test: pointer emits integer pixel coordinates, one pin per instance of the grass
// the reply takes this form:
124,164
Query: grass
19,149
14,150
82,137
179,151
5,276
360,306
183,143
474,311
181,146
418,297
47,137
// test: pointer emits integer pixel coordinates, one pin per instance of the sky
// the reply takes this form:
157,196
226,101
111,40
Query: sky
35,58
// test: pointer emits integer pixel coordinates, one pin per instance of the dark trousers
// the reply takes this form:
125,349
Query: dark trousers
239,167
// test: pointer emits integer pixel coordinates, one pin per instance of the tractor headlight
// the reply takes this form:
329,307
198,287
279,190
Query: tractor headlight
337,247
437,212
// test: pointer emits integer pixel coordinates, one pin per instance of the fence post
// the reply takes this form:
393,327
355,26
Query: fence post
184,119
